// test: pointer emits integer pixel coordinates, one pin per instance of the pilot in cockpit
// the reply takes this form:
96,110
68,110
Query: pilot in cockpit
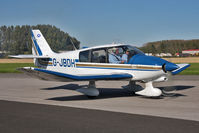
114,57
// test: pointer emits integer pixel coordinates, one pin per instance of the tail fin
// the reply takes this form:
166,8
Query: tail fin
40,46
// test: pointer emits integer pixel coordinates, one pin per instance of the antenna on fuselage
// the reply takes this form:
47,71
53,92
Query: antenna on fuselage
117,41
73,44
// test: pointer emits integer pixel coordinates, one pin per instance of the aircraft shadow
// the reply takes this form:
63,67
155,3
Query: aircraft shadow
106,93
177,87
65,87
171,91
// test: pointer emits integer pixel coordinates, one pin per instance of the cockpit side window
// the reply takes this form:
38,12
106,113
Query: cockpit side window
84,56
98,56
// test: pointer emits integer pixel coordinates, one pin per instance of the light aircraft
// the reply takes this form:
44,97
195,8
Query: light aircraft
92,64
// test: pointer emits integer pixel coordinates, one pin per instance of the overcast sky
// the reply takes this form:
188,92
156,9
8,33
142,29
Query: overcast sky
96,22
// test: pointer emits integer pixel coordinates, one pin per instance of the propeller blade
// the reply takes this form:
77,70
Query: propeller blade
169,91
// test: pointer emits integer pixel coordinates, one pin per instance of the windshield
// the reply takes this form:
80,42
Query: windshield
122,49
133,50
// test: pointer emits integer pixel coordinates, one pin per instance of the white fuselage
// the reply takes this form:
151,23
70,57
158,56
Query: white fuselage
68,63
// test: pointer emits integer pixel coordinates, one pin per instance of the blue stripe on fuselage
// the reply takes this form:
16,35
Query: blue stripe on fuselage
75,77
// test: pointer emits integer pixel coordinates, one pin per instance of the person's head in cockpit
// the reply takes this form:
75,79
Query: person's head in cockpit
115,51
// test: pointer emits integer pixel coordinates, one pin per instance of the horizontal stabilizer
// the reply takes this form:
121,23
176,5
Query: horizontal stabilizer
28,56
180,69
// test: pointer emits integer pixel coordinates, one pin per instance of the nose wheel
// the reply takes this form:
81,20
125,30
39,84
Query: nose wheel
148,91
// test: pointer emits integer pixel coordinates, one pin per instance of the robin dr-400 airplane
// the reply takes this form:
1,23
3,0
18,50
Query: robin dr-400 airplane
93,64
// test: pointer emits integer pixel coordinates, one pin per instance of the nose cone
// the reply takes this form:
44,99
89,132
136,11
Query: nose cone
170,66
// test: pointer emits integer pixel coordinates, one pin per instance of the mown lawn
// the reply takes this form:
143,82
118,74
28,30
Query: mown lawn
11,67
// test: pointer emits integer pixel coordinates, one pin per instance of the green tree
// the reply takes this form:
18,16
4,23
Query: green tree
17,39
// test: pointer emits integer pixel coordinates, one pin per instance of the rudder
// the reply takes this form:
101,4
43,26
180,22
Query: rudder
40,46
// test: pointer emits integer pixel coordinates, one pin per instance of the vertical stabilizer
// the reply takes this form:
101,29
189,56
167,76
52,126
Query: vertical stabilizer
40,46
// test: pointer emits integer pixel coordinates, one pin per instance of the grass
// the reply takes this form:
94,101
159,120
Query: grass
11,67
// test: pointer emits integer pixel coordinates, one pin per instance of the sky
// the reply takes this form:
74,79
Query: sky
98,22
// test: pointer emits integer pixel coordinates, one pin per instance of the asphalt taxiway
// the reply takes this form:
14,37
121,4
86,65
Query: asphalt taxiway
115,106
16,117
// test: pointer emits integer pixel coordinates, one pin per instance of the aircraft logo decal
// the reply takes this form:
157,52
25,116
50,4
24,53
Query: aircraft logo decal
38,35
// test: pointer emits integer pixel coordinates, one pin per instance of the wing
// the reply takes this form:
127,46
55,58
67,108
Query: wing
180,69
57,76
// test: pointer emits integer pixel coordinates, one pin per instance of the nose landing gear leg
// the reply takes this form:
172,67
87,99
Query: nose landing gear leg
149,90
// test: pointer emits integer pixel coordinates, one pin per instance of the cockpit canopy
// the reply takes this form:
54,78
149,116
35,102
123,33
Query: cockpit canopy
100,55
122,49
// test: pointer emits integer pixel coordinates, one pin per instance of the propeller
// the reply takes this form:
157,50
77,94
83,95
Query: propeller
169,91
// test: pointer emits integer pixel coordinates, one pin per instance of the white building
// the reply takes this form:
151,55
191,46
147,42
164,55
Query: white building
149,54
3,52
163,54
191,51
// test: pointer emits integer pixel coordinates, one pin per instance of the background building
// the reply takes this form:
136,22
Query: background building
191,51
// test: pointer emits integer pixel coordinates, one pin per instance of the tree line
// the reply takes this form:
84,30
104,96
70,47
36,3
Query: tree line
17,39
170,46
